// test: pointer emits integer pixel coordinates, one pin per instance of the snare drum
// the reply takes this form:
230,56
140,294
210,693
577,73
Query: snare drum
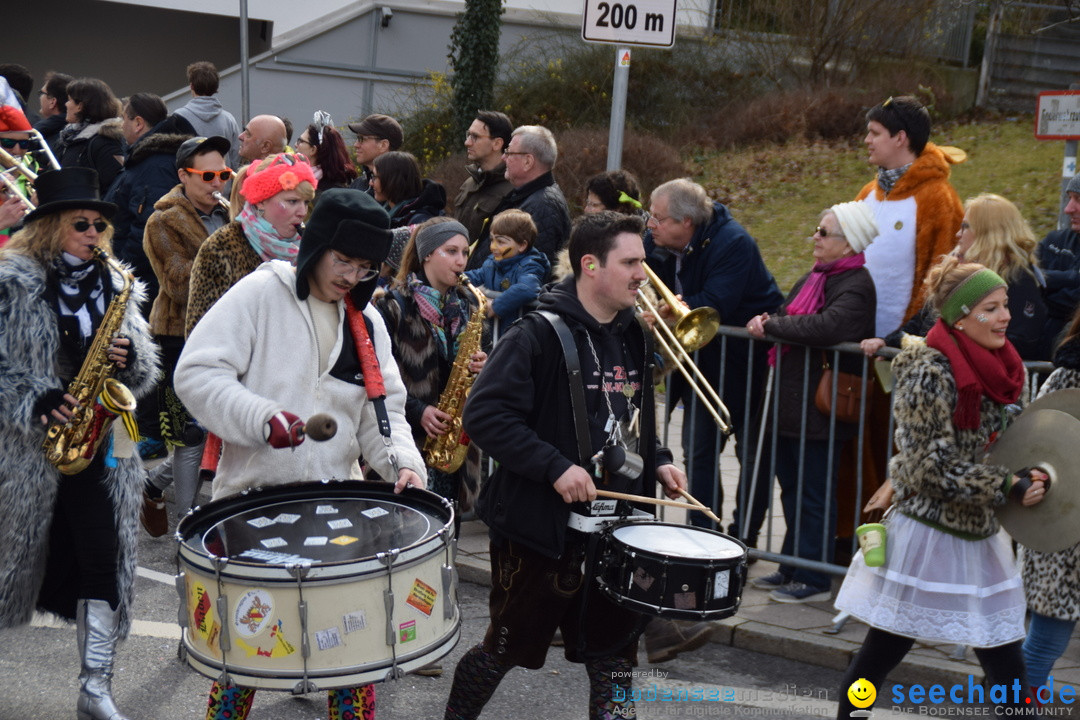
674,571
317,586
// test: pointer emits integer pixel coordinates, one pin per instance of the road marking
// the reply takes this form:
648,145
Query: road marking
160,577
774,703
144,628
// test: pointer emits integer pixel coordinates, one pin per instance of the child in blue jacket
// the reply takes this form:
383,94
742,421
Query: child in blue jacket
514,271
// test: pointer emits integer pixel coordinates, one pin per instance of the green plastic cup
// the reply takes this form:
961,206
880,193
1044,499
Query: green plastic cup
872,542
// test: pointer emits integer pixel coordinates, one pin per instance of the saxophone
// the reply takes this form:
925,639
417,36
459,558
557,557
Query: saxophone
447,452
71,446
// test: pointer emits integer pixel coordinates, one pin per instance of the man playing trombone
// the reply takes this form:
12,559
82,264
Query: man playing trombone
18,168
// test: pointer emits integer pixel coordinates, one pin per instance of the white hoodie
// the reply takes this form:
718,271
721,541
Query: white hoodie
254,354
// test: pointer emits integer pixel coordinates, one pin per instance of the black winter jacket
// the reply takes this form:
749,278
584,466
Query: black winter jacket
544,201
519,412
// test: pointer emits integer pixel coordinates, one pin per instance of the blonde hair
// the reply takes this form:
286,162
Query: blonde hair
945,277
1003,240
43,239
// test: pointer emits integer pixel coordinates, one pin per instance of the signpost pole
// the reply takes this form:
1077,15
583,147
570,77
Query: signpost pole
618,108
1068,170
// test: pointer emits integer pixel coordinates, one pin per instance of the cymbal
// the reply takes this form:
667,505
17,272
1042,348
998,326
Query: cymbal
1046,439
1067,401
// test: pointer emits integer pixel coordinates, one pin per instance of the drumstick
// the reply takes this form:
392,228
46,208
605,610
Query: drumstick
651,501
701,506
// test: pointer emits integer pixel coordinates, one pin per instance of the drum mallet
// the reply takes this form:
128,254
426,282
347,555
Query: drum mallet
652,501
320,427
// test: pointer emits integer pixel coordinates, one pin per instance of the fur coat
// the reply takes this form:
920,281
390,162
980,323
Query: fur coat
1052,580
173,236
223,259
939,472
28,351
918,220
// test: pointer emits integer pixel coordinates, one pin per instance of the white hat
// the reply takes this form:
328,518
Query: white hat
857,223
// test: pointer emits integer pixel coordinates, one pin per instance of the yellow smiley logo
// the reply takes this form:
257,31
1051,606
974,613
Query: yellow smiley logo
862,693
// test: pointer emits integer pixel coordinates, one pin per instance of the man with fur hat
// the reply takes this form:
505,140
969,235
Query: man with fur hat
286,343
1059,258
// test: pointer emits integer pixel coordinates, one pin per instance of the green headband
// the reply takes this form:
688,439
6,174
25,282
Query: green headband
968,294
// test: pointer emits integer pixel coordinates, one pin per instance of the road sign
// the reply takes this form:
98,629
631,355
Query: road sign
1057,115
649,23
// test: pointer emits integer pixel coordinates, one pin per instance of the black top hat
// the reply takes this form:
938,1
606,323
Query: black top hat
71,188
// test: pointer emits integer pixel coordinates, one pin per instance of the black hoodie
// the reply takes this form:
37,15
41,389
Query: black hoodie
519,412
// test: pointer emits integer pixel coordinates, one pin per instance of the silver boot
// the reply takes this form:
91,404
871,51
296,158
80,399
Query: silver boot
97,628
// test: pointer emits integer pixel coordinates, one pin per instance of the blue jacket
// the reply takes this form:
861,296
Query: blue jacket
722,269
517,279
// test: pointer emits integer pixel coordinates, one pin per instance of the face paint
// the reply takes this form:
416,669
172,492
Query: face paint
981,318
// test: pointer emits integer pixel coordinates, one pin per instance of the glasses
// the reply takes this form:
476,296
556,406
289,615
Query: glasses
365,138
595,205
657,220
343,268
83,225
209,175
9,143
515,152
306,142
823,233
474,137
964,227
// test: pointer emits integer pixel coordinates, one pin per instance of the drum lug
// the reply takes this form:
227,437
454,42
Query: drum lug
181,611
304,687
388,601
222,608
449,578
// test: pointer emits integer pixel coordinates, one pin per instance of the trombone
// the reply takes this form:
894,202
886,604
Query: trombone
11,162
28,206
693,330
45,148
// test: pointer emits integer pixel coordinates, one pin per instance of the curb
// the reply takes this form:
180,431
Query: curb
808,646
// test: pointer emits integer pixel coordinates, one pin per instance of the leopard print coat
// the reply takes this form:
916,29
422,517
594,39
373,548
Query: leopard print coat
223,260
938,471
1052,580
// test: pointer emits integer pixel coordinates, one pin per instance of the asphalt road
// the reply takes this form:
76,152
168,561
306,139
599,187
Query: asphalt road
39,669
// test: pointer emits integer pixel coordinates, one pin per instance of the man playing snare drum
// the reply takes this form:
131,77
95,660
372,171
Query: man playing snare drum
521,413
284,342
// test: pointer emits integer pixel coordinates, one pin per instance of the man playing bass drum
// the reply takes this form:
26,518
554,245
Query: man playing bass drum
521,414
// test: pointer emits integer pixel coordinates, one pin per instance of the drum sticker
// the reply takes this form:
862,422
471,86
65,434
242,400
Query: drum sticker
260,522
685,600
326,510
316,540
354,621
280,648
422,597
721,584
602,507
344,540
273,542
253,612
202,611
643,579
286,518
274,558
375,512
328,639
340,524
407,631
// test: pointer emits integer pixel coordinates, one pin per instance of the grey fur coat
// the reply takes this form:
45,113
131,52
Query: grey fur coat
29,340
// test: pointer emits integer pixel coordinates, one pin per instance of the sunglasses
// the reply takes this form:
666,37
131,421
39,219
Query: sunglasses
209,175
822,232
84,225
9,143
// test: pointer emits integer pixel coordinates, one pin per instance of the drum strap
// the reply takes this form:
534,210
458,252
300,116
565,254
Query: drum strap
577,385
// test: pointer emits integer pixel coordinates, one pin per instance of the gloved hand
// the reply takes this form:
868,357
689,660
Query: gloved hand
286,430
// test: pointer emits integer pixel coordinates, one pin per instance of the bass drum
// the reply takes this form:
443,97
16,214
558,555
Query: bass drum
673,571
316,586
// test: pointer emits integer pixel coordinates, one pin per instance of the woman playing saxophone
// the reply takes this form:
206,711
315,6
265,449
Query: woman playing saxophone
434,326
69,539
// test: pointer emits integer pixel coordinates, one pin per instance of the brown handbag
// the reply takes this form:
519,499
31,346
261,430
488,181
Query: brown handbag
848,394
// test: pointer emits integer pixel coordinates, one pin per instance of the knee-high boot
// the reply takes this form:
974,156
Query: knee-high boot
97,630
186,461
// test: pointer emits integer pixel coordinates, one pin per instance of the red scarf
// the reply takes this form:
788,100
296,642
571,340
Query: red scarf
997,374
369,364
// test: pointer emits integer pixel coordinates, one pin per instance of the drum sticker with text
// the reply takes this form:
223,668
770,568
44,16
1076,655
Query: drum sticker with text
339,524
202,615
721,584
326,510
407,631
260,522
253,612
685,600
375,512
280,647
287,518
344,540
316,540
274,542
422,596
354,621
642,578
328,639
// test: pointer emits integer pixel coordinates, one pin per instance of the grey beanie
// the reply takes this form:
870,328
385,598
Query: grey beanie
432,237
1074,184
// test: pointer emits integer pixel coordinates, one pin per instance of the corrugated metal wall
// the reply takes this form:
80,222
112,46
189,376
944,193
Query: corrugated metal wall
1038,49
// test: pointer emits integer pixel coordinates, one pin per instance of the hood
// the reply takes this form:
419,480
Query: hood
432,197
204,107
155,144
112,128
495,174
562,298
